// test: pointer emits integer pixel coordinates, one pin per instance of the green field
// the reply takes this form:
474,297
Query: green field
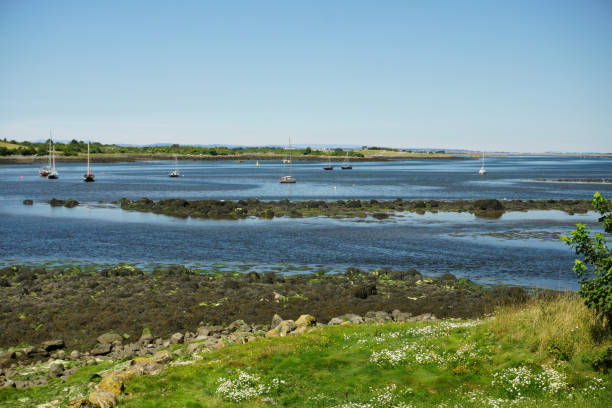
547,353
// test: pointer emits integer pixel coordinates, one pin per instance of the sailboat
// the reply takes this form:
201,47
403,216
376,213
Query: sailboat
53,174
482,170
175,172
346,165
288,179
329,165
89,176
45,170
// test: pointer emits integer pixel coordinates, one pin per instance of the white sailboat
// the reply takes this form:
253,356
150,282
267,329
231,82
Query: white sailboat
45,170
53,174
346,165
175,172
89,176
482,170
288,179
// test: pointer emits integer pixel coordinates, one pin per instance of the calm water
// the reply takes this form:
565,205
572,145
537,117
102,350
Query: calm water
521,248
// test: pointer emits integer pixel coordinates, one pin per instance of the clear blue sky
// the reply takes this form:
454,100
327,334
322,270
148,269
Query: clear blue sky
493,75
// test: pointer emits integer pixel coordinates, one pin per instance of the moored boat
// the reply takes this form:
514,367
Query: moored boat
89,176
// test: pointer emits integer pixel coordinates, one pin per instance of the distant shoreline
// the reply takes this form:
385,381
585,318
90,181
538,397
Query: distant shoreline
118,158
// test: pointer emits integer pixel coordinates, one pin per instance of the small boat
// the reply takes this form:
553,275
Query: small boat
45,170
287,179
482,170
175,172
89,176
329,166
53,174
346,165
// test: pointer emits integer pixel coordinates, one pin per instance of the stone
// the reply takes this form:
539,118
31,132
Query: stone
75,355
272,333
7,358
109,338
305,321
239,326
177,338
101,349
81,403
145,339
56,370
162,357
53,345
103,399
195,347
402,317
300,330
203,332
346,318
276,320
425,317
285,327
379,316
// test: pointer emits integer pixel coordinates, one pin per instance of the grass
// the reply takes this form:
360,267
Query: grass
538,354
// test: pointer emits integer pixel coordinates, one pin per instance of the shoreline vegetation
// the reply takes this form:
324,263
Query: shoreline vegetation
13,152
394,341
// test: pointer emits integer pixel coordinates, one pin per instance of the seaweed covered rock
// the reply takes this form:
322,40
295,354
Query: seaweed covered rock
488,205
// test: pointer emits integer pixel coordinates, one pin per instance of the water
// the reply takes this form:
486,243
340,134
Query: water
519,248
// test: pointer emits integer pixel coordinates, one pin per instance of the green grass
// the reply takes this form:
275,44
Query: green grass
447,364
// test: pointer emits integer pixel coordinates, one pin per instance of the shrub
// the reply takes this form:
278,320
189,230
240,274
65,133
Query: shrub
596,281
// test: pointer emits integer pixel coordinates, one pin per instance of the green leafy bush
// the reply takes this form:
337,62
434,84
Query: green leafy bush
595,269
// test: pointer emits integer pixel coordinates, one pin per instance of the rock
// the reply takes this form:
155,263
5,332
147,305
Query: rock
81,403
203,332
50,404
425,317
305,321
239,337
103,399
488,205
162,357
285,327
110,338
28,202
7,358
400,316
75,355
346,318
239,326
53,345
276,320
101,349
9,384
56,370
379,316
60,354
363,291
146,338
272,333
300,330
176,338
195,347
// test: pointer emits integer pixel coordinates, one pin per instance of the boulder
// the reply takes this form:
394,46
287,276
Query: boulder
176,338
203,332
305,321
56,370
363,291
425,317
103,399
6,359
162,357
53,345
346,318
239,326
285,327
488,205
379,316
81,403
195,347
146,338
101,349
75,355
276,320
109,338
272,333
401,316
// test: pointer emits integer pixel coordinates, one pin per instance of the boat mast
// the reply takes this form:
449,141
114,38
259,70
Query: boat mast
88,172
50,142
53,157
290,158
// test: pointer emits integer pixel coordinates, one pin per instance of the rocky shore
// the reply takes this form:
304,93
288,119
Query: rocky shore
380,209
54,309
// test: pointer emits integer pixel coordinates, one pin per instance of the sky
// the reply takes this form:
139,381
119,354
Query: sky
525,76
